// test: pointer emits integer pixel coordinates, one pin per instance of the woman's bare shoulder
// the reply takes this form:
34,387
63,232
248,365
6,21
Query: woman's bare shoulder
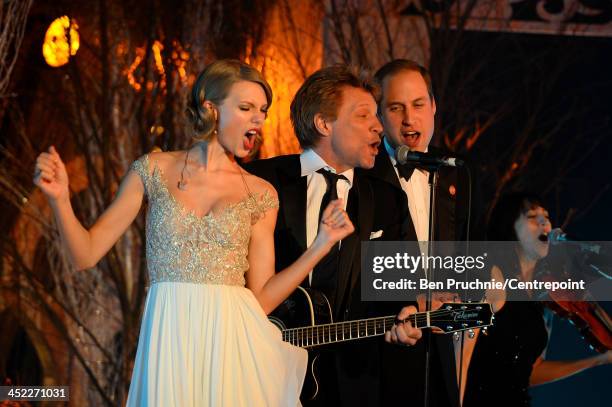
165,159
260,186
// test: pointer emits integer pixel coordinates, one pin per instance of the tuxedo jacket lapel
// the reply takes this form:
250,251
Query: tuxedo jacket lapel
383,170
361,208
365,208
446,219
445,205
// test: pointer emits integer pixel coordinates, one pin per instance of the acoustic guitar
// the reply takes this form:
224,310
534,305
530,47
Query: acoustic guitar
305,320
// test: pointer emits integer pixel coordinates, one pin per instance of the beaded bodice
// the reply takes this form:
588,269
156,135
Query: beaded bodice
184,247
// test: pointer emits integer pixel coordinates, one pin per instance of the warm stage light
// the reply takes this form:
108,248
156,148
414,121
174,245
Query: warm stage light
179,58
55,48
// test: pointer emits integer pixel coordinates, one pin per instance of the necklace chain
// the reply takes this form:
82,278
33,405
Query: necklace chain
182,183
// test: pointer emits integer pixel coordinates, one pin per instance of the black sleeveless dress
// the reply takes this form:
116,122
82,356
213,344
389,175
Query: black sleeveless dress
503,359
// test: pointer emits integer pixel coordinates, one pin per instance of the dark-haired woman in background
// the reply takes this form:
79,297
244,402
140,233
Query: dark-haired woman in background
499,367
205,339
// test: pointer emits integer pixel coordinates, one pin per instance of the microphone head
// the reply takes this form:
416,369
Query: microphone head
401,153
454,162
557,235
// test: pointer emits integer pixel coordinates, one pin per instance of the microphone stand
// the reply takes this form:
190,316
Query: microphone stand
432,165
433,185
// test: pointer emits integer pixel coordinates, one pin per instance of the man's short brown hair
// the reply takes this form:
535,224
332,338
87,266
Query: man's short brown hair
398,65
321,93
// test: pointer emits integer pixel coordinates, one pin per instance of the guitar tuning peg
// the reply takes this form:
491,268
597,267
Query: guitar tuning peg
456,336
485,330
471,333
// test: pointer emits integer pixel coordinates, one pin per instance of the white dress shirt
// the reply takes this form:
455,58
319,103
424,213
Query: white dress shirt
310,163
417,192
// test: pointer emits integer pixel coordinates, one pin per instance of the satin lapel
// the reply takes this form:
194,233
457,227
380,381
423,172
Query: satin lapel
446,221
365,200
383,170
292,195
361,199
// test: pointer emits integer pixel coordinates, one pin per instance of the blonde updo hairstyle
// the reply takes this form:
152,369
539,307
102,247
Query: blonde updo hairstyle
214,84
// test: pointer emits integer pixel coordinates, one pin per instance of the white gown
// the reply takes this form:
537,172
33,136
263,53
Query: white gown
204,339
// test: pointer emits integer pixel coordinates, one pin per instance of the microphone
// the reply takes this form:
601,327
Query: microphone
593,254
403,155
558,235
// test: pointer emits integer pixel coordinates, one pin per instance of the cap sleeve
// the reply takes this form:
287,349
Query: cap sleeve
141,167
263,202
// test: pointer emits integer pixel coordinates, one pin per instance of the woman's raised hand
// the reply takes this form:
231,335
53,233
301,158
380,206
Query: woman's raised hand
50,175
335,223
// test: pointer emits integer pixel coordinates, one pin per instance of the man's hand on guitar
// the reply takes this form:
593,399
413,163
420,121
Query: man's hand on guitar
404,333
437,299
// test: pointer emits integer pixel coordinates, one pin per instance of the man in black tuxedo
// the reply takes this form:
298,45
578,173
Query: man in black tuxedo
334,118
407,109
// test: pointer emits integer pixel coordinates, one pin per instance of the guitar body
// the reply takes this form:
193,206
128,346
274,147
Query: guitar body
305,307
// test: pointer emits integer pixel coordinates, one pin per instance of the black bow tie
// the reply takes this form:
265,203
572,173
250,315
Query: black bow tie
405,170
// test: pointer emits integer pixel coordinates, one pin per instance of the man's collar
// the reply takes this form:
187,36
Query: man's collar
390,151
311,162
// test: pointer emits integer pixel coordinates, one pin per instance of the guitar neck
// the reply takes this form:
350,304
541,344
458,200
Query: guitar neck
326,334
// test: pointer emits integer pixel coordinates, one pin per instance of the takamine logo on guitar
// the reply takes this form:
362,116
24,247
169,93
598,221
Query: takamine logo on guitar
464,315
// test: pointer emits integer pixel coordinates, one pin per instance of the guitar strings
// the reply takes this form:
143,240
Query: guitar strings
388,319
313,335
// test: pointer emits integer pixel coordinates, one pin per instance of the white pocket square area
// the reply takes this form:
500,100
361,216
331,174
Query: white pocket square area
376,235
